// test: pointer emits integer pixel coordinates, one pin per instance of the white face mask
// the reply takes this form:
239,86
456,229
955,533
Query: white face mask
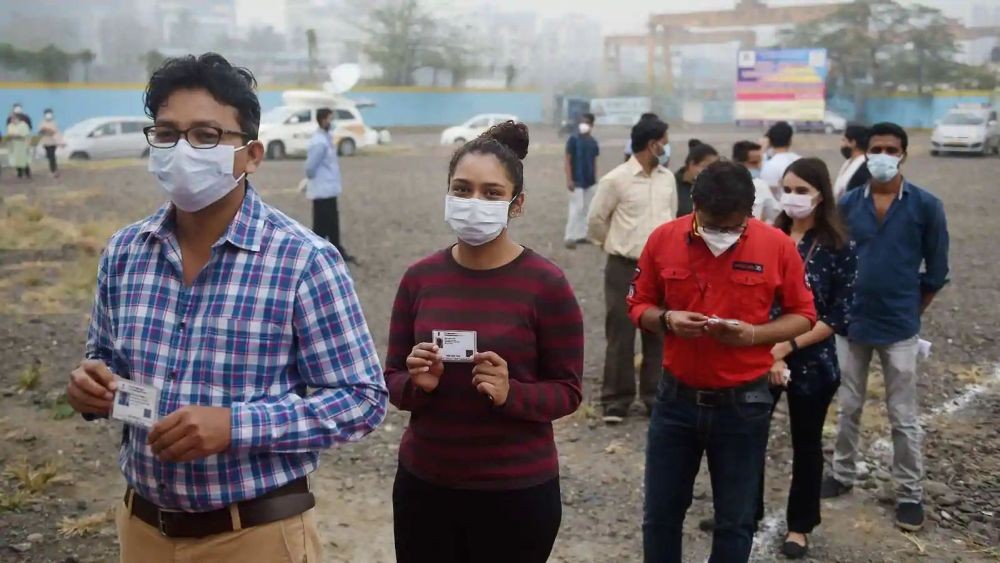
584,128
194,178
797,206
48,116
718,242
476,221
883,167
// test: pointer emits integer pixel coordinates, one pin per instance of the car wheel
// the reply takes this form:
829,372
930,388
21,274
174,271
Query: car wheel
829,129
460,141
347,147
79,155
935,153
276,150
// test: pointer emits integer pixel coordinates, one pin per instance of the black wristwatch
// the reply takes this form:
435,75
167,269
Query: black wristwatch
794,345
665,321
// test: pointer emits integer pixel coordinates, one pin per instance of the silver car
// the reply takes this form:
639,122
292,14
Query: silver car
105,137
967,130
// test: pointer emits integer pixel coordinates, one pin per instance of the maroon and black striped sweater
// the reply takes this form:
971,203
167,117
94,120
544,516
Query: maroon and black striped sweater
527,313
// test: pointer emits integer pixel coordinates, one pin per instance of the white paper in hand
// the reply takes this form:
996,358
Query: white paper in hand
135,403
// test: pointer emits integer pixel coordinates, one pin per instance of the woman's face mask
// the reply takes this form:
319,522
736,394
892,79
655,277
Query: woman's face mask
476,221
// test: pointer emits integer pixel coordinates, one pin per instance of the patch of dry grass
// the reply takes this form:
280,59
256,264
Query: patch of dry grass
85,525
32,479
29,378
12,502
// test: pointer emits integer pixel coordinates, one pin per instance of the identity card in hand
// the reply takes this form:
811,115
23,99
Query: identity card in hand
456,345
135,403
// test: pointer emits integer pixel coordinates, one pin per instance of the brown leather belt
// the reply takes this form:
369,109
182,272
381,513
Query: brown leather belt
287,501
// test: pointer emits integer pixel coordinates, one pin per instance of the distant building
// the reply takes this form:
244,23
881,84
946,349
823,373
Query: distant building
195,25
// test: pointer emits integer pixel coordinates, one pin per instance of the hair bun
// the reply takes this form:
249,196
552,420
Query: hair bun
512,135
693,143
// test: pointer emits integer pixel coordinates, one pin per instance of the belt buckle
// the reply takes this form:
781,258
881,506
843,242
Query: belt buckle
706,398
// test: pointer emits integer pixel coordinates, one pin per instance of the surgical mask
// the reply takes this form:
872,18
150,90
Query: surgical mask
664,157
797,206
476,221
846,152
755,173
17,110
584,128
194,178
883,167
718,242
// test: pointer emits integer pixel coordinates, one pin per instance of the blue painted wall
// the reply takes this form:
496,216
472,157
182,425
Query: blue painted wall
915,111
392,109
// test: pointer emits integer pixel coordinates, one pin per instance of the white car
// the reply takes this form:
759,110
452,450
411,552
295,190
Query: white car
473,128
286,130
833,123
105,137
967,130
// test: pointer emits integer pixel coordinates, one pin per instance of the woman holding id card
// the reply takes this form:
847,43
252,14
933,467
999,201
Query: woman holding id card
485,351
806,366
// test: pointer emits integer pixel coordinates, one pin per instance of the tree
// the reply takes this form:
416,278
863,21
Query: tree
153,60
50,64
86,58
400,36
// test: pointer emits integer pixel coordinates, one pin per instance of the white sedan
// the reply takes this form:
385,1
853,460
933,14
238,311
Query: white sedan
473,128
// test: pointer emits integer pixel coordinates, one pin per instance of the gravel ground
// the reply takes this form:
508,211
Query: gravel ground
392,216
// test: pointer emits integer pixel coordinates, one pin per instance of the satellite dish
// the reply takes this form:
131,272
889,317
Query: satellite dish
343,78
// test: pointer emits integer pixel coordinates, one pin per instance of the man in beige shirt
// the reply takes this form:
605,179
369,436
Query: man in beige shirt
631,201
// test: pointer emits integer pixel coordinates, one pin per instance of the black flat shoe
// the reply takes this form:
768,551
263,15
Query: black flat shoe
792,550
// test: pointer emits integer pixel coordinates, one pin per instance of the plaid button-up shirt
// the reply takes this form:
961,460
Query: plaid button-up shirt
272,313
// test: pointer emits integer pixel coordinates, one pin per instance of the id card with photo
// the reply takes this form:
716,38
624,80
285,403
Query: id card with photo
456,345
135,403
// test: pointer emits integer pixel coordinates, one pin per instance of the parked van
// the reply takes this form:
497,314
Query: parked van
286,129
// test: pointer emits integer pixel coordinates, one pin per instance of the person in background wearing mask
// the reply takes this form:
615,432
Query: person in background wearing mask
853,173
18,141
49,130
899,228
810,216
631,201
231,312
628,146
478,475
18,111
323,185
777,143
751,155
699,157
708,281
582,151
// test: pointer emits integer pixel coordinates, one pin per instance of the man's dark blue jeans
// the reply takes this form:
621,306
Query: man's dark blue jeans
734,437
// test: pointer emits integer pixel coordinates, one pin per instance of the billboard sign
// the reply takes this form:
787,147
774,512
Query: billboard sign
619,111
781,84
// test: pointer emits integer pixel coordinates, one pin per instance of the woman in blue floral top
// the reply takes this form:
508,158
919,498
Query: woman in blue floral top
807,365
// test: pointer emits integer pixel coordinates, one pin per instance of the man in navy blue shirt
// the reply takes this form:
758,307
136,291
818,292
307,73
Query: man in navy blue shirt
898,228
581,175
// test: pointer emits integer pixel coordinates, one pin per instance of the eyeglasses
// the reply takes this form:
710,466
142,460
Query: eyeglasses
202,137
724,230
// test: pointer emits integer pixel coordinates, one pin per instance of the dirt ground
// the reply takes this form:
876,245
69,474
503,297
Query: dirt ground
60,476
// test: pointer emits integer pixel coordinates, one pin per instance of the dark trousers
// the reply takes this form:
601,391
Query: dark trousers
806,414
440,525
326,221
734,437
24,172
618,387
50,153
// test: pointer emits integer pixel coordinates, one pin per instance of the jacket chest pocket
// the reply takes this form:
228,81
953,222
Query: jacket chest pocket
236,359
752,296
679,288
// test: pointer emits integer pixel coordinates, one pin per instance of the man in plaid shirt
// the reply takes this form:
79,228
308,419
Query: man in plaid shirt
230,311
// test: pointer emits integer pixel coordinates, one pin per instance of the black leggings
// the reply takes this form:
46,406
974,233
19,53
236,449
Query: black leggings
50,153
441,525
806,414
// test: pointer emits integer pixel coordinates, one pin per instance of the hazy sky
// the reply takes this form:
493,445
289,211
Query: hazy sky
618,16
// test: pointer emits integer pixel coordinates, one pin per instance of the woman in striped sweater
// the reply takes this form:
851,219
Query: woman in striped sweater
478,476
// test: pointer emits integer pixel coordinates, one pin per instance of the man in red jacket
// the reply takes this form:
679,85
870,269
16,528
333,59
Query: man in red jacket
708,282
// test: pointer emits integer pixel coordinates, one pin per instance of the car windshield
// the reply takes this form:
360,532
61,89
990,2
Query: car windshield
83,128
277,115
962,119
